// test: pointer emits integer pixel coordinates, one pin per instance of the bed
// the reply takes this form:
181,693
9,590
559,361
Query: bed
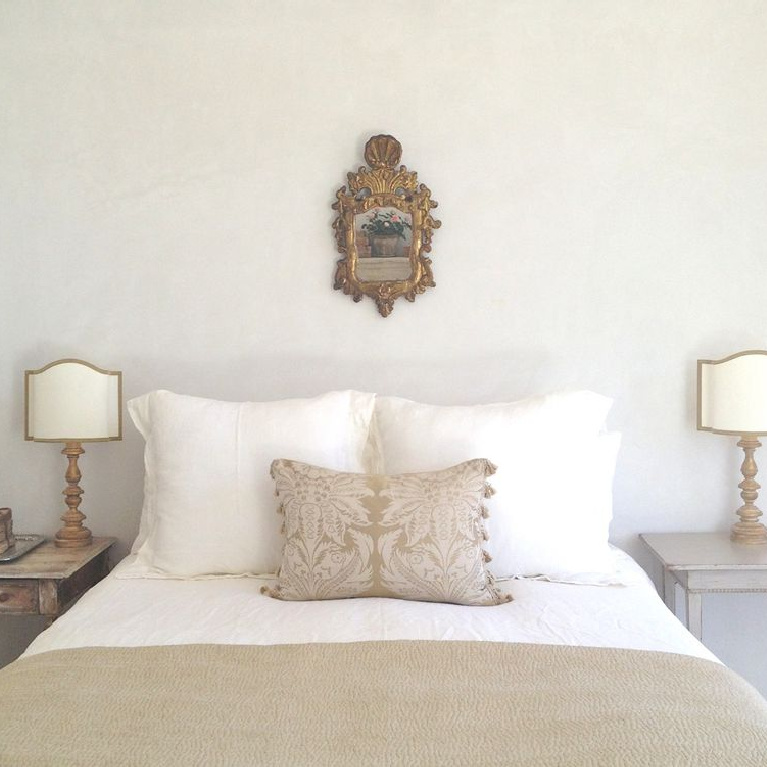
195,651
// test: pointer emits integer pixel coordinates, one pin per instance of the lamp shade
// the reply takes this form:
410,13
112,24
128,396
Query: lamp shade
732,394
72,401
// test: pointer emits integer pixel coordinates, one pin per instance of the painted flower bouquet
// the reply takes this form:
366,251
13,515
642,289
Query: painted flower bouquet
384,222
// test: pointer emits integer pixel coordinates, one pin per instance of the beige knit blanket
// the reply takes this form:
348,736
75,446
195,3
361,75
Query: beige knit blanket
377,703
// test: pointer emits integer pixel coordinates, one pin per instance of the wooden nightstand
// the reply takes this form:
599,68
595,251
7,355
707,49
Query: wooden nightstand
48,580
704,563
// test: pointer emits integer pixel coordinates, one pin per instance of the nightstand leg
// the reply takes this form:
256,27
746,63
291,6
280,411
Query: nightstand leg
669,591
694,602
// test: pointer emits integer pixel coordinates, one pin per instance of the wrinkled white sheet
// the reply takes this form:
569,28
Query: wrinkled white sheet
135,612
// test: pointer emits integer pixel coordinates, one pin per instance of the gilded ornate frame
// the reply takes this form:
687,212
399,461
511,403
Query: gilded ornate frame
384,187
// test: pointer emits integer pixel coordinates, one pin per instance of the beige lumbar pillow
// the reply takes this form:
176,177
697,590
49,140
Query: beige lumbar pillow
408,536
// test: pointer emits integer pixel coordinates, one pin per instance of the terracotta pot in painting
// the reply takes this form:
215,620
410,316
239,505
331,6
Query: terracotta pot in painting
383,245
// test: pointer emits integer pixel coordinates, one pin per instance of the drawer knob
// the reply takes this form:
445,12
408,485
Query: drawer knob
4,596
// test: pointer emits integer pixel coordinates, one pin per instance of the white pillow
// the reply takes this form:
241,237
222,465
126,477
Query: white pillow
209,505
553,504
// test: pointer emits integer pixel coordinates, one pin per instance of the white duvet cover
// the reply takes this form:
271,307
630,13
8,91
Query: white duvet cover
140,612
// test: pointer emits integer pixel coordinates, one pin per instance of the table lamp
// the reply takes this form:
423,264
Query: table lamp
72,401
732,399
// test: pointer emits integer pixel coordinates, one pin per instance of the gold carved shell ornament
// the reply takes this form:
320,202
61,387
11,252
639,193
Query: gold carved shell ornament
384,229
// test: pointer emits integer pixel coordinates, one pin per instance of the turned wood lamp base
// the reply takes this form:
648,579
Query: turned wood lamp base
74,534
749,529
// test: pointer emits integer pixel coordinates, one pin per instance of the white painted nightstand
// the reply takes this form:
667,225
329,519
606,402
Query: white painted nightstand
704,563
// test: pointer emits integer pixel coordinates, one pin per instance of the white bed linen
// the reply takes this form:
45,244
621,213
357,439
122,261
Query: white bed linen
126,613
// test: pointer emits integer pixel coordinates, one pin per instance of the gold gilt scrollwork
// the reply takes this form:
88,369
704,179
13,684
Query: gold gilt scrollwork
384,229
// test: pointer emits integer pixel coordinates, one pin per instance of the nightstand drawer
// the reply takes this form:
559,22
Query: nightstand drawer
48,580
722,579
18,596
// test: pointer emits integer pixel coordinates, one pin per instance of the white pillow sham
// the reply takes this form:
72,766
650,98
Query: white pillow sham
553,505
209,506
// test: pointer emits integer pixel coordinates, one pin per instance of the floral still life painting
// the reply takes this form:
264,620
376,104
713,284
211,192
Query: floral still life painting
383,222
384,237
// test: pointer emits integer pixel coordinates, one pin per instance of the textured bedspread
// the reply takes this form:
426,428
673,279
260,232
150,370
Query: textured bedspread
377,703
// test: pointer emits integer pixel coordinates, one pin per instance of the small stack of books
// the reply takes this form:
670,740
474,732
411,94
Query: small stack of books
6,530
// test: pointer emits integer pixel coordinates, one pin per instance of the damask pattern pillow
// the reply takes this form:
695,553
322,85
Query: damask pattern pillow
407,536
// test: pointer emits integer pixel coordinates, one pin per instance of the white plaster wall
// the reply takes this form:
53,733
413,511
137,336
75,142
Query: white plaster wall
601,168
